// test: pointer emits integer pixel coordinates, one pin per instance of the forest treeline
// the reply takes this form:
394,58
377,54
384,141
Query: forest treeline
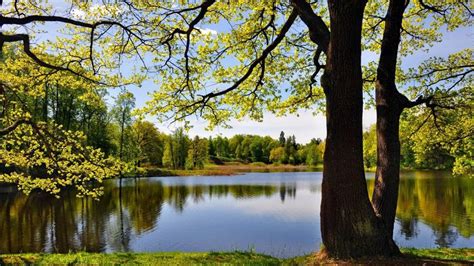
114,130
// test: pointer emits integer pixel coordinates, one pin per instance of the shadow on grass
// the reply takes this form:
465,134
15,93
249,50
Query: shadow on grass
441,256
240,258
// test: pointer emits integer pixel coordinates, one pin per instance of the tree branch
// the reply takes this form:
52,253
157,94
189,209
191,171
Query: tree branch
406,103
12,127
204,7
41,18
25,39
318,31
285,28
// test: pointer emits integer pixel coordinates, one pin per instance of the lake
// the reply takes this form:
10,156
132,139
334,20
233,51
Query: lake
272,213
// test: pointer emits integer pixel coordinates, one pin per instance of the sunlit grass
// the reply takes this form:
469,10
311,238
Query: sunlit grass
411,255
442,253
162,258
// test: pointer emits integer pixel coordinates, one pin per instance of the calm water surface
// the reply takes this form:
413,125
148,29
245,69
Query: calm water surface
272,213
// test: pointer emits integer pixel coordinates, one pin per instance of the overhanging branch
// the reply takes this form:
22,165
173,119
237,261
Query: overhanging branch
25,38
7,130
318,31
259,61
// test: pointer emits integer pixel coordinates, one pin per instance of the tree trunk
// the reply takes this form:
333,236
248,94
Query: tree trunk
387,176
122,129
45,103
349,225
389,104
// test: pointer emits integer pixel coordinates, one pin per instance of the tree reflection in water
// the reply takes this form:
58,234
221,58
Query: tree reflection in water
444,203
41,223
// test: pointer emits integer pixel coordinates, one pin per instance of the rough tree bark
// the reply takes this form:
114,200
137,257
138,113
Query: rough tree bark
390,104
349,225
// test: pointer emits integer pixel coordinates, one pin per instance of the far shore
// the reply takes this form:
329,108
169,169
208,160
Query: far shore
232,168
225,170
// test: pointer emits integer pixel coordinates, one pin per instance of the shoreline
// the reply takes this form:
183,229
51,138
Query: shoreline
223,170
459,256
238,169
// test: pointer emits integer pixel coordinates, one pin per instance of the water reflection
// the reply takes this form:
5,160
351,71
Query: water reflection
444,204
276,213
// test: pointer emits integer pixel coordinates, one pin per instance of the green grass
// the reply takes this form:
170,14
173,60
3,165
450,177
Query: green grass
161,258
222,258
441,253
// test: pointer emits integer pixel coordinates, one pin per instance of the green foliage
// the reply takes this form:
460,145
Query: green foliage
221,146
47,157
278,155
370,147
281,139
197,153
176,150
256,153
122,113
47,150
167,159
427,146
149,141
223,58
443,134
314,152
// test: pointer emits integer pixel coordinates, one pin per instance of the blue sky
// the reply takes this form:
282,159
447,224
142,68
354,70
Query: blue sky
305,126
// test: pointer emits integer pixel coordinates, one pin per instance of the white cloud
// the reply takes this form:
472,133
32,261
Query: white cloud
78,13
291,210
369,118
96,12
207,31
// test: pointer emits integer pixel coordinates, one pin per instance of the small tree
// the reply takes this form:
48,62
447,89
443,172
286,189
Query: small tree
197,153
314,155
278,155
122,112
148,141
282,139
167,160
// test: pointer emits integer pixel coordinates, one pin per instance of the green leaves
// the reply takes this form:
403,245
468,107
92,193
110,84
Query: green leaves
43,154
48,158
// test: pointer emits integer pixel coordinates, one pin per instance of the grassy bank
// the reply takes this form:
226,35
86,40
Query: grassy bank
411,256
226,169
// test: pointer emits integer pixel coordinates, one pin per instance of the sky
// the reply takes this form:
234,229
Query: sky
305,125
